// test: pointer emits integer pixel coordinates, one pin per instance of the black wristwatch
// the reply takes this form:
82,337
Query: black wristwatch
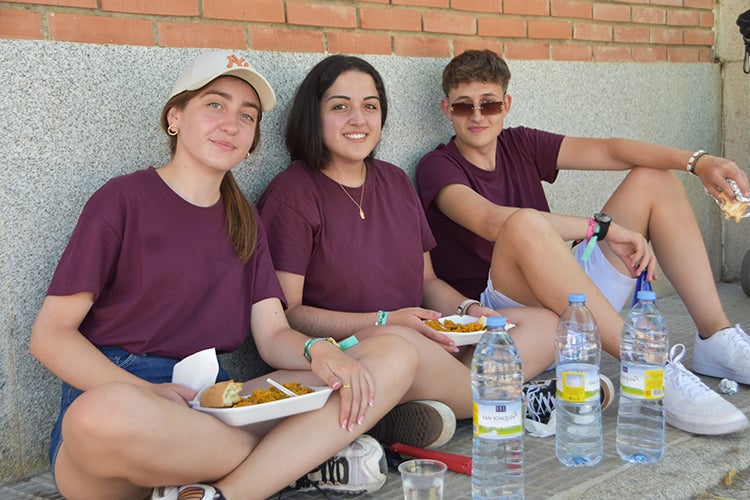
603,220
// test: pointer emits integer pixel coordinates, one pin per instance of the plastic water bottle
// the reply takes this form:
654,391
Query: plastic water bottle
578,430
497,387
644,346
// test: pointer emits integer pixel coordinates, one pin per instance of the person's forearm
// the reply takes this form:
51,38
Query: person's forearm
317,322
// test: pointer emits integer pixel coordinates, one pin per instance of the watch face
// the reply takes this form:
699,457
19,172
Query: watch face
602,218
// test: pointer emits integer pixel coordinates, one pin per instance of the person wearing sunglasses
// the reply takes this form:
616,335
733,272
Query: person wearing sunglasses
498,241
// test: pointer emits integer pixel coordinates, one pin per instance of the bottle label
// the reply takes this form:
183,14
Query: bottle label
498,420
641,382
577,383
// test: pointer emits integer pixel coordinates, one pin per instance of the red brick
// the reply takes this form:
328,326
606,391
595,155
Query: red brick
671,3
417,46
21,24
698,37
98,29
478,5
649,54
594,32
527,50
266,11
668,36
423,3
571,8
311,14
571,52
610,12
683,54
359,43
464,44
220,36
706,56
631,34
440,22
557,30
700,4
526,7
502,26
682,18
649,15
155,7
611,54
89,4
390,19
707,20
286,40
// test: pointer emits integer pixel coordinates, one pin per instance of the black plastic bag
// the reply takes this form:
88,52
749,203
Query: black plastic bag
743,21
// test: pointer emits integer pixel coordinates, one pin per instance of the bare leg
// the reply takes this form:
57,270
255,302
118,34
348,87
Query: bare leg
663,215
121,440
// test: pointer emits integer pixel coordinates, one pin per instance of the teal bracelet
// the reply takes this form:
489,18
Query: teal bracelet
310,342
590,245
382,318
348,342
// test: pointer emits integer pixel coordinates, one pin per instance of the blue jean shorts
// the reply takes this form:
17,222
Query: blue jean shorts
155,369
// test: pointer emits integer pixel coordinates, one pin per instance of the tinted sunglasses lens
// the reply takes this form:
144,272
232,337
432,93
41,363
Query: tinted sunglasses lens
492,108
462,108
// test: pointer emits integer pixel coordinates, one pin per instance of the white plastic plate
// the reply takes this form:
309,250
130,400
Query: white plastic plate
459,338
263,412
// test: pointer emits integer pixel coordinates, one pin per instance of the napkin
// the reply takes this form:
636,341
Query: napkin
198,370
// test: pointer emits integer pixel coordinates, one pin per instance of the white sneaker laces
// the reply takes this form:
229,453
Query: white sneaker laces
738,338
539,404
683,378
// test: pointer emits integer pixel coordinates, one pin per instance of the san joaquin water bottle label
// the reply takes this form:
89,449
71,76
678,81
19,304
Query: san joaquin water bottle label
578,384
642,382
499,421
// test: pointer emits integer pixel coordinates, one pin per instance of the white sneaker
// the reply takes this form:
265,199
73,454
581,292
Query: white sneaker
359,468
725,354
423,423
691,406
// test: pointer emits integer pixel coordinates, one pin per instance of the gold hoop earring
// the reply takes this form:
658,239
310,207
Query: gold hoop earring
173,130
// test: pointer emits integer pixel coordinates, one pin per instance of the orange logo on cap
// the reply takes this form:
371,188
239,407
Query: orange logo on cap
239,61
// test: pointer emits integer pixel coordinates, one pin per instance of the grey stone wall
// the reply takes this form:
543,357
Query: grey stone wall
74,115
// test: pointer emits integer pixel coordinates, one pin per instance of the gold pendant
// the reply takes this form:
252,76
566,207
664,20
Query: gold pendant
361,214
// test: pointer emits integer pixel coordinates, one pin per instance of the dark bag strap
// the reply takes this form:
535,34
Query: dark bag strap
743,21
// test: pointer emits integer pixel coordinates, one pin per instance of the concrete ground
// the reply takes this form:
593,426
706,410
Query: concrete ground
694,467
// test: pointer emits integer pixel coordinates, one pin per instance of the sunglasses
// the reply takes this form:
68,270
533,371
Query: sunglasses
486,108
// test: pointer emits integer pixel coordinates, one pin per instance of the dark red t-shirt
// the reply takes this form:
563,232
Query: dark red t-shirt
165,277
525,157
349,264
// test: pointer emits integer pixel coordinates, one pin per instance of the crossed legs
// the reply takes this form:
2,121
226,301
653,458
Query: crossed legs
119,440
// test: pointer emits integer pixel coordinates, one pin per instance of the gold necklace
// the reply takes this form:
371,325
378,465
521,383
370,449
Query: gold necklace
361,196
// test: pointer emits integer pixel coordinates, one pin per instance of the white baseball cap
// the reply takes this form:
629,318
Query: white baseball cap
211,65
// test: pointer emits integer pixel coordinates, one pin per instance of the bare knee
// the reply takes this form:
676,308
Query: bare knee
524,226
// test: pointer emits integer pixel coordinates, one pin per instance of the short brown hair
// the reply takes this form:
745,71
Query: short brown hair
475,66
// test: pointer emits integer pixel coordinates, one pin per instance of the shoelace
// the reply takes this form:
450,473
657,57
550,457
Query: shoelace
540,403
738,338
684,378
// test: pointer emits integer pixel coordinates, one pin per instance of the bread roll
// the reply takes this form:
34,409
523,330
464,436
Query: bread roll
732,209
221,395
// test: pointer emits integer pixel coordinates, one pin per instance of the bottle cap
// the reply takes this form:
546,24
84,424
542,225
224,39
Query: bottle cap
495,321
646,295
577,297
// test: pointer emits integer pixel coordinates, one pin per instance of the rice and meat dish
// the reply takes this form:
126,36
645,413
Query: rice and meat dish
259,396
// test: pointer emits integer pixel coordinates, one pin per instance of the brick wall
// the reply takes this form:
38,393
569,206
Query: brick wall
563,30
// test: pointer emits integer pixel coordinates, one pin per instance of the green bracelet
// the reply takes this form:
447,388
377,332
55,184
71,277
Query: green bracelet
382,318
348,342
310,342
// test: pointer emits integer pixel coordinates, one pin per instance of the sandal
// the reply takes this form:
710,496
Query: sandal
196,491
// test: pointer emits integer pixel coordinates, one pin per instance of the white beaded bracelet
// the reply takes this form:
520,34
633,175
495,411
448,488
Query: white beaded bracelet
464,307
693,160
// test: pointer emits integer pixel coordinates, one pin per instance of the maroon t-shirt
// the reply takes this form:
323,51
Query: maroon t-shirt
165,277
524,158
349,264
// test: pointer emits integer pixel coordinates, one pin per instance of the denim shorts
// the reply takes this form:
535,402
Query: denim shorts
155,369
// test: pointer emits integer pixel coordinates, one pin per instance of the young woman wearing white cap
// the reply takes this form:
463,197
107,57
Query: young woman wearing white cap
166,262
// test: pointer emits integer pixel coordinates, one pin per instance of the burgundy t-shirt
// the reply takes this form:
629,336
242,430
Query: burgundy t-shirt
524,158
349,264
165,277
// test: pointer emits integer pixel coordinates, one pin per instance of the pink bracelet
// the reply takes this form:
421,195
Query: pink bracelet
591,228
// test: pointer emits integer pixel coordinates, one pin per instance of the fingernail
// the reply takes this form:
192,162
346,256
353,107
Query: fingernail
344,423
360,420
371,402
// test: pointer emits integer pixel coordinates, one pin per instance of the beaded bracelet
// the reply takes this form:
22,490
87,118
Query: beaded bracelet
693,160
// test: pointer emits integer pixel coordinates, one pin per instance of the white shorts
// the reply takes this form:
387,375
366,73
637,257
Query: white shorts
615,286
